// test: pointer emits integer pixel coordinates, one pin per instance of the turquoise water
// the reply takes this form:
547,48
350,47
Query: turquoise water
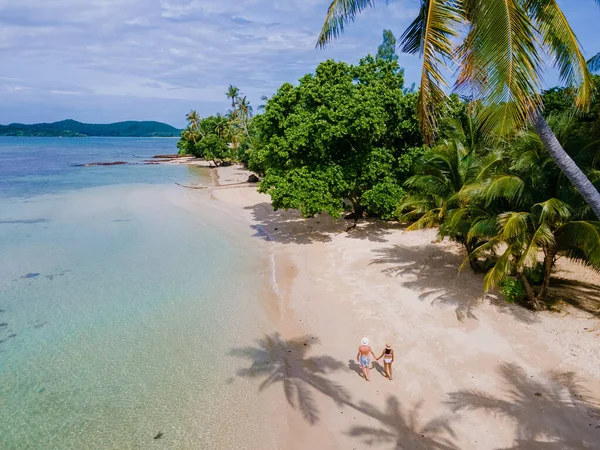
120,296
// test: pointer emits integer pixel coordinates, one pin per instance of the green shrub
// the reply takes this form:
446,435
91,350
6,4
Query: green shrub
513,290
382,200
535,274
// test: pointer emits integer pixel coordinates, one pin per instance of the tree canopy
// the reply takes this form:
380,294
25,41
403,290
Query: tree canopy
345,135
387,49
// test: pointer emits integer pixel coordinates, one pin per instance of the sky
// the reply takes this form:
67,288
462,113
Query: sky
103,61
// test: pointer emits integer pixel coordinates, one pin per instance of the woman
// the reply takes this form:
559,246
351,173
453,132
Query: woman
388,358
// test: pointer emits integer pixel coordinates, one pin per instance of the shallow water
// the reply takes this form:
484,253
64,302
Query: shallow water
121,295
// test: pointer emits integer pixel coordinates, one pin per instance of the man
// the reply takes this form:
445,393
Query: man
363,357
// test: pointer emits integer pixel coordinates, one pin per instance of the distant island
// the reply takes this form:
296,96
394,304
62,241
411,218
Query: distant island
72,128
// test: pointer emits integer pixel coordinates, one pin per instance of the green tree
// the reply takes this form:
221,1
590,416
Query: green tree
346,135
387,49
190,135
232,93
498,52
244,113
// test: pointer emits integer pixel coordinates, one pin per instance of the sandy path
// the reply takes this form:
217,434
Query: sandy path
470,373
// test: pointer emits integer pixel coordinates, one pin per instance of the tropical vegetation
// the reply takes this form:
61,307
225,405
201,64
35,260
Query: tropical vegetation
219,138
499,49
345,135
348,139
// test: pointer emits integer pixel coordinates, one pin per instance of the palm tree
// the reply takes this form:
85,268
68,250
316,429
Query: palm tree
263,98
232,92
499,60
243,106
193,119
541,214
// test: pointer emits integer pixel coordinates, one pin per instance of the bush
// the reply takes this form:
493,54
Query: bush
382,200
535,274
513,290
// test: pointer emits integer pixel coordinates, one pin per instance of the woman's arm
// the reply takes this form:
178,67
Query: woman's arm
392,355
380,356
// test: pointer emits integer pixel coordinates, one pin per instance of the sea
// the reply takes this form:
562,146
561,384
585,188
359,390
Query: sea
123,300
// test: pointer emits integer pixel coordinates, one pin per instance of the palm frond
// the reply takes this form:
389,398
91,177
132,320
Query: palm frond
594,62
486,228
500,270
542,238
505,186
430,36
581,242
560,41
513,224
339,14
554,210
505,72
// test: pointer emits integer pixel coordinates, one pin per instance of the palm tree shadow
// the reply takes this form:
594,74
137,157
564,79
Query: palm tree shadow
582,295
554,414
433,270
286,362
404,429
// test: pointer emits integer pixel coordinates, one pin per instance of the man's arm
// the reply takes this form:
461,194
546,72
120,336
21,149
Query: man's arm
358,354
371,350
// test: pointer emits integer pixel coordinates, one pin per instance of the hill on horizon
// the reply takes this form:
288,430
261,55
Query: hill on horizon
73,128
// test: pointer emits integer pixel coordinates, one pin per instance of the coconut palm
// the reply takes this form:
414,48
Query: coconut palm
232,92
193,119
263,98
497,46
245,112
437,196
541,215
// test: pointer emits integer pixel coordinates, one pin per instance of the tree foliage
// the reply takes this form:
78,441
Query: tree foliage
498,48
510,206
387,49
345,135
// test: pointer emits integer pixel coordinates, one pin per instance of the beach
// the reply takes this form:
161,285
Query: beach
471,372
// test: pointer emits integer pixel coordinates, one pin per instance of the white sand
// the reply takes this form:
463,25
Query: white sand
470,373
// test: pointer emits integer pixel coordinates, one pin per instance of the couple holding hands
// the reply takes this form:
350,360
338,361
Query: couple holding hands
365,361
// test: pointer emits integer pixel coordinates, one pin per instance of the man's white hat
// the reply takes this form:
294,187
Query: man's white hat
365,341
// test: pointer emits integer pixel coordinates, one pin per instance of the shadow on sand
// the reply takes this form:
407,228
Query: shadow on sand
286,362
554,414
290,227
403,429
434,271
580,294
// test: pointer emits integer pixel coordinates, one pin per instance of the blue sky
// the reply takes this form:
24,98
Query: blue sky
110,60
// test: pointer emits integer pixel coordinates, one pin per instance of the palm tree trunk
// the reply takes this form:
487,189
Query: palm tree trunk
549,255
532,299
587,190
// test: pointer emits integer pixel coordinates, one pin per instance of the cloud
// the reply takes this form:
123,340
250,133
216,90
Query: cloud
132,55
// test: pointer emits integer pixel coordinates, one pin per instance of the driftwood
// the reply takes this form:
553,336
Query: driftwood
191,187
223,186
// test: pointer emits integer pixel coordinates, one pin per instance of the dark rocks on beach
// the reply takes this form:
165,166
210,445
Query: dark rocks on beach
252,178
159,435
31,275
171,156
3,324
113,163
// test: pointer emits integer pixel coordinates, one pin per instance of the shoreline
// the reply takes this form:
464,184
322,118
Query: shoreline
471,372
